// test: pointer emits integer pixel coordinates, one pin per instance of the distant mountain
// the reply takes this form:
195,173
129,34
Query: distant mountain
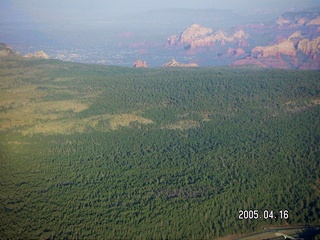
298,19
291,41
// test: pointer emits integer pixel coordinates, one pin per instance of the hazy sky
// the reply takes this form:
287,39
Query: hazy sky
141,5
49,10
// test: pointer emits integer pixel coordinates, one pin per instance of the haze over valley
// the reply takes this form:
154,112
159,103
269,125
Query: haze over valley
110,35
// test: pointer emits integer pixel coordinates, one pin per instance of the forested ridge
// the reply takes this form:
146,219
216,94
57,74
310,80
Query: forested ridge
92,152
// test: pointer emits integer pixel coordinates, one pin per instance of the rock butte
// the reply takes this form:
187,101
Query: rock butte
174,63
140,64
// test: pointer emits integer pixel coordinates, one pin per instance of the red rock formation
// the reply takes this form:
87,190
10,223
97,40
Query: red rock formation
235,52
195,32
268,62
314,21
241,37
174,63
140,64
198,36
310,47
38,55
239,52
285,47
282,21
249,61
300,50
231,52
273,55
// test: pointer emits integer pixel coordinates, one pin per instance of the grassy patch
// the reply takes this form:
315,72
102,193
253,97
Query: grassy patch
95,123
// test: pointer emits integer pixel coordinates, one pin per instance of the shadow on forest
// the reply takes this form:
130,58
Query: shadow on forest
309,232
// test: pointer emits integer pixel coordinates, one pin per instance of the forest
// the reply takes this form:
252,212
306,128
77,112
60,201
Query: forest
103,152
